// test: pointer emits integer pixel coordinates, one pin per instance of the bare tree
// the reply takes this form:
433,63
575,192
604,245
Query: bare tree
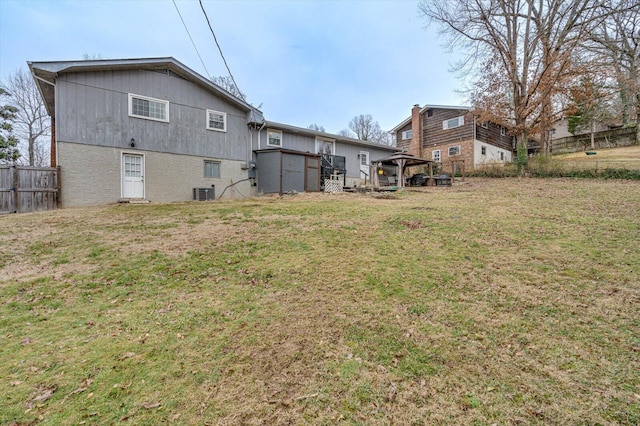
32,123
518,51
93,56
227,83
589,106
367,129
617,40
314,126
346,133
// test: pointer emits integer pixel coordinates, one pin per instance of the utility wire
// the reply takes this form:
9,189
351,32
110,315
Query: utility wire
191,38
218,44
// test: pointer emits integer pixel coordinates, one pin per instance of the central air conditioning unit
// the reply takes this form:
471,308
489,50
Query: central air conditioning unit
204,194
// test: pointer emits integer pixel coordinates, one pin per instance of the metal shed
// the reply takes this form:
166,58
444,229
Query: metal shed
282,170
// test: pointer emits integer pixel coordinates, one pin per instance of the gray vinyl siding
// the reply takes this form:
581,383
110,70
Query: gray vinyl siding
350,151
268,168
292,172
93,109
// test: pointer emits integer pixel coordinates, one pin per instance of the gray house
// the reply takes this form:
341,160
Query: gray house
351,158
155,130
144,129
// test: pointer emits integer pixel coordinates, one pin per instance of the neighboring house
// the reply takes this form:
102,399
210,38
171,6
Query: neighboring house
155,130
449,134
560,129
143,129
351,157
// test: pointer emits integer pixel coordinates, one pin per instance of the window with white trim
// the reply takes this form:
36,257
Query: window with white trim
435,155
325,146
454,150
274,138
452,123
407,134
148,108
483,150
216,120
211,169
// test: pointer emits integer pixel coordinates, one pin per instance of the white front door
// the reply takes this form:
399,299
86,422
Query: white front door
132,176
364,165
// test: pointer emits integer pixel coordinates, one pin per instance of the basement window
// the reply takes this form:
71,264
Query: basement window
148,108
211,169
483,150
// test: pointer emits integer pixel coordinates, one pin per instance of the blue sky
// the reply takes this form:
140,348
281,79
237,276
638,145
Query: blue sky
305,61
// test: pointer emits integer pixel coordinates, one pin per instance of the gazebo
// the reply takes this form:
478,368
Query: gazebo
401,160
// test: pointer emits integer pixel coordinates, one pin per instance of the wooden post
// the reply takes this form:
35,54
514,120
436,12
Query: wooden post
58,188
16,186
53,161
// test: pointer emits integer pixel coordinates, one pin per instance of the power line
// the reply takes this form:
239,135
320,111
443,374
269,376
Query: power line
191,38
218,44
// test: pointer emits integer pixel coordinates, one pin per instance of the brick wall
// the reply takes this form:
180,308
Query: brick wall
416,128
466,154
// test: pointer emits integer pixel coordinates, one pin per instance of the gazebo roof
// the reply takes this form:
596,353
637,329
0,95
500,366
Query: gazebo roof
408,159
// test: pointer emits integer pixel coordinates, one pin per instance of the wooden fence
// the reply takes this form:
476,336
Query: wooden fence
605,139
28,189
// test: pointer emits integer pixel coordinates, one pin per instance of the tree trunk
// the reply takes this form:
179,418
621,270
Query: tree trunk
31,149
593,134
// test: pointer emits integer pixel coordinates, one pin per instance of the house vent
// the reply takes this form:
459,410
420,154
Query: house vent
204,194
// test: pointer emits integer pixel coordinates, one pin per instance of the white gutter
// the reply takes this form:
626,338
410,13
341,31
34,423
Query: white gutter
264,123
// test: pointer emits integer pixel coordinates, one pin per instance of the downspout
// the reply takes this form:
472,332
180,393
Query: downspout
475,135
264,123
54,136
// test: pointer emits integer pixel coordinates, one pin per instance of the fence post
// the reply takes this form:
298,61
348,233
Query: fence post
16,186
58,188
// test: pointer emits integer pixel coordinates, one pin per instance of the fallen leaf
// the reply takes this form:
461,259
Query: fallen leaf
18,382
392,392
26,341
121,386
127,355
150,406
42,394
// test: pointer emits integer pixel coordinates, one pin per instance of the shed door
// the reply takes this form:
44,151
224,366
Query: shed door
132,176
312,174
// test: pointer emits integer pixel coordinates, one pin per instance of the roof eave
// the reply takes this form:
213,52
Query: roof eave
49,71
316,133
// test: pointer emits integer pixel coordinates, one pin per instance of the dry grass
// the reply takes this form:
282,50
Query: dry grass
624,158
495,301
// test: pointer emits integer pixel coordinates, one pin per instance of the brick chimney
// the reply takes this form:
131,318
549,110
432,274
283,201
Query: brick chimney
415,146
